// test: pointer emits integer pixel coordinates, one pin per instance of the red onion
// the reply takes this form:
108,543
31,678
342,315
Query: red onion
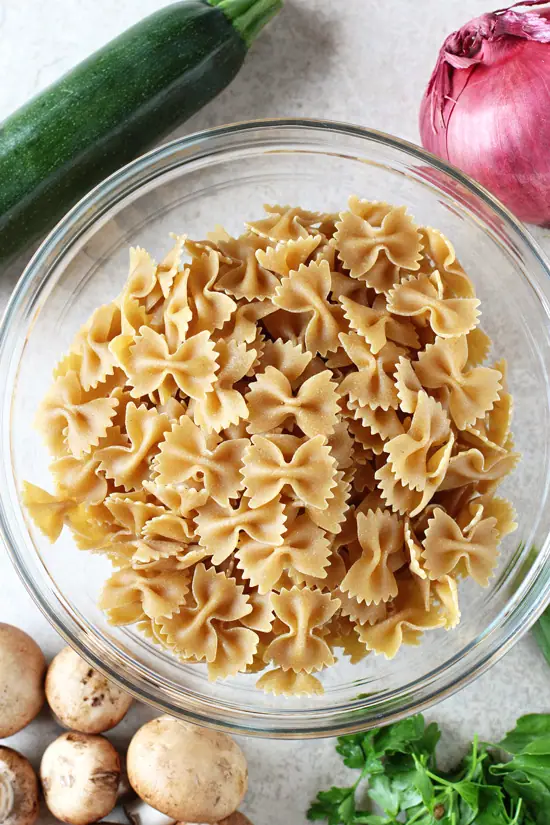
487,107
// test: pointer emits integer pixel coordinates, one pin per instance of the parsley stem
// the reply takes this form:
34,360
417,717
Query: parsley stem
516,818
439,779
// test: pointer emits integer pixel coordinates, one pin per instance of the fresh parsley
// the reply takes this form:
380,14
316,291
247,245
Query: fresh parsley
399,781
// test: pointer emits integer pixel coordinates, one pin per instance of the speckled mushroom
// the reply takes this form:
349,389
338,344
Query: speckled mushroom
80,776
22,667
81,698
236,818
188,773
18,789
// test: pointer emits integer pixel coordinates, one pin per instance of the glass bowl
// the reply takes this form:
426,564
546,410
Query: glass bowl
223,177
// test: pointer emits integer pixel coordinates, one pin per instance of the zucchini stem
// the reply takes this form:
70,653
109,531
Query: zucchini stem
248,16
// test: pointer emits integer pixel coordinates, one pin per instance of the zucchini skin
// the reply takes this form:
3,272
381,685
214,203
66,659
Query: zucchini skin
109,110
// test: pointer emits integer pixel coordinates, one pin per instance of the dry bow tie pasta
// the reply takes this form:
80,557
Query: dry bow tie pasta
285,443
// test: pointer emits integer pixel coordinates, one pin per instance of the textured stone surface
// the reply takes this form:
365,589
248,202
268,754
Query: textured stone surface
351,60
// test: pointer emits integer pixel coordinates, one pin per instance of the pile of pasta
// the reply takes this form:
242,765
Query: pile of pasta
285,443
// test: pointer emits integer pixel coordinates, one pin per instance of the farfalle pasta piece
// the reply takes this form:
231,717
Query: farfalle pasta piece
244,276
210,309
81,478
333,516
414,549
333,573
155,593
128,462
416,454
286,357
306,291
447,549
166,540
383,423
287,326
472,392
439,254
396,495
343,634
365,438
377,326
171,264
445,593
305,612
370,230
360,612
405,622
421,297
473,466
170,526
219,528
341,445
304,548
181,498
132,511
498,508
479,346
262,617
142,284
71,419
203,627
92,344
48,512
69,363
237,647
150,366
285,223
404,499
310,472
372,385
281,682
271,402
495,425
371,578
177,312
184,455
287,256
224,405
242,326
342,286
407,384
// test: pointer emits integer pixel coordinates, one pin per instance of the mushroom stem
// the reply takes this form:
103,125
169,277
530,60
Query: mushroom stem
7,796
140,813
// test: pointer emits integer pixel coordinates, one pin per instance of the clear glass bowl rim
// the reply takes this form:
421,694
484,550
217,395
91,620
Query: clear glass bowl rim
520,613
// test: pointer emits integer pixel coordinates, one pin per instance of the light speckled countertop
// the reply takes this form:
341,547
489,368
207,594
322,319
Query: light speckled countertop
364,61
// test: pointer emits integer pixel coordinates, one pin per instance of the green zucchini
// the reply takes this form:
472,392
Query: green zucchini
114,105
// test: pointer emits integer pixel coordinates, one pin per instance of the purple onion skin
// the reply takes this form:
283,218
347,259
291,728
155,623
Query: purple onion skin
498,130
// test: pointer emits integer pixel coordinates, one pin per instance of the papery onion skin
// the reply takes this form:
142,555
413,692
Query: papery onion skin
487,108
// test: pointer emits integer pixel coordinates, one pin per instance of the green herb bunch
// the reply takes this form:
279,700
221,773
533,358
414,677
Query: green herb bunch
504,784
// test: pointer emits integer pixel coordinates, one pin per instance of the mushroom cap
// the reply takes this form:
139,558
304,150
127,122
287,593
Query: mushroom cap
189,773
80,775
82,698
236,818
18,789
22,667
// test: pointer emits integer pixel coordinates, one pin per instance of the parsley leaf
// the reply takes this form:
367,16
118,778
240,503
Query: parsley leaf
404,781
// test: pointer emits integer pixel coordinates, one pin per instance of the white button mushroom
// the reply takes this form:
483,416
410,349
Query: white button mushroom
80,775
18,789
234,819
187,773
82,698
22,667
